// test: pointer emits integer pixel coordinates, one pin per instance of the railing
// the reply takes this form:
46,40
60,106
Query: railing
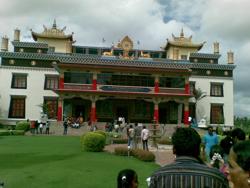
120,88
172,90
73,86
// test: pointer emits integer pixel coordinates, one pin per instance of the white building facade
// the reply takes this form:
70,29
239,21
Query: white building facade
51,74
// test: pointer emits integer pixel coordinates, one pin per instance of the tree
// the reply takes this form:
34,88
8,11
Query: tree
198,95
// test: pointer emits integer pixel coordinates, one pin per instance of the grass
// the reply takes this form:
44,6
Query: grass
57,161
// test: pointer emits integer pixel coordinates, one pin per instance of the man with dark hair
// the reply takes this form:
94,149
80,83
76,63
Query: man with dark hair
188,170
238,135
209,140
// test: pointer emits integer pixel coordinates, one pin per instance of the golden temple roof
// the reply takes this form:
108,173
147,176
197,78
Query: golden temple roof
183,41
53,32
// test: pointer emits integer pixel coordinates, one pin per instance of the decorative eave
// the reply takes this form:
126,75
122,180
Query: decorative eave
51,36
183,42
24,55
182,66
53,33
204,56
30,45
212,66
183,45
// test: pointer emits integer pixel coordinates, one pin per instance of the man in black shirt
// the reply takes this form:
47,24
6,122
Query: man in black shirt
188,170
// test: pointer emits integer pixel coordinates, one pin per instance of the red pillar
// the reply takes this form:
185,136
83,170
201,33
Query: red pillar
186,115
93,113
94,85
187,87
156,89
59,110
156,113
94,82
61,81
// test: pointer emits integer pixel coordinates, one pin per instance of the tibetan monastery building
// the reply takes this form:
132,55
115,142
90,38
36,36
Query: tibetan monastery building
103,83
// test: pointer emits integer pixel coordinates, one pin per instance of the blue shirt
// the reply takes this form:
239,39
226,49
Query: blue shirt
209,141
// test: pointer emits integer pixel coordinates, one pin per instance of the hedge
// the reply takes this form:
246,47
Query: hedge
92,141
11,132
23,125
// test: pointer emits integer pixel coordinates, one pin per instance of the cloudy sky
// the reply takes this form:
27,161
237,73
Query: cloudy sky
149,21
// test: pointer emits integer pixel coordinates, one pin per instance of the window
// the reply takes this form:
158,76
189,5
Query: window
78,77
17,107
192,87
50,107
19,81
216,89
184,57
172,82
51,82
217,115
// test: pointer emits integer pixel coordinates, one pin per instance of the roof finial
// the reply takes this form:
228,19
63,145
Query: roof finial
182,33
54,24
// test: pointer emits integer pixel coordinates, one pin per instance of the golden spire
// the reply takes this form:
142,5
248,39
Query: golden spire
182,33
54,24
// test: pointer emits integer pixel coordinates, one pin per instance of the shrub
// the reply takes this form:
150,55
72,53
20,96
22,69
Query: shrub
101,132
140,154
122,151
4,133
143,155
115,135
120,140
165,140
18,132
11,132
23,125
93,142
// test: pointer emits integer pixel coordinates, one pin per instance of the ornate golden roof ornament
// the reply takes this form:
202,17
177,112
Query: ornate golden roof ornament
52,32
126,44
183,41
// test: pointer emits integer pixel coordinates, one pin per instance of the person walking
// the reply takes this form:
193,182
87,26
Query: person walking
188,170
209,140
131,134
65,126
144,137
47,127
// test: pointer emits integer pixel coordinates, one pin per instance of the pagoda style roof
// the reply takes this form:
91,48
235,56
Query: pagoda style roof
212,66
24,55
53,33
104,61
204,56
96,60
29,44
183,41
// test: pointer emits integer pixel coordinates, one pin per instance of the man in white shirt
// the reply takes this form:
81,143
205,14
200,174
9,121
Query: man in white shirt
144,137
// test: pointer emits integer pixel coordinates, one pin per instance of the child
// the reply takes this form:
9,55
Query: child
127,178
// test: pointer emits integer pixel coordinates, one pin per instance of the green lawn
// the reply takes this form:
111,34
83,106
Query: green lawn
57,161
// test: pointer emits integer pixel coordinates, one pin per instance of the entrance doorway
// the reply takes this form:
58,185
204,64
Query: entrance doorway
79,110
163,115
122,111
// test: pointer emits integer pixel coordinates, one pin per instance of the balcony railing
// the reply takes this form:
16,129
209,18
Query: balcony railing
125,89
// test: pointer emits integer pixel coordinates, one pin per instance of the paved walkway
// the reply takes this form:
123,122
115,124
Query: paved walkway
163,155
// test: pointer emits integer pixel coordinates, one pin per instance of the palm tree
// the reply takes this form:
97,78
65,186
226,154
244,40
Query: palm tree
198,95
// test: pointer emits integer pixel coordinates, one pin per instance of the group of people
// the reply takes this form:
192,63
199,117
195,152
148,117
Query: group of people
39,127
227,163
137,134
